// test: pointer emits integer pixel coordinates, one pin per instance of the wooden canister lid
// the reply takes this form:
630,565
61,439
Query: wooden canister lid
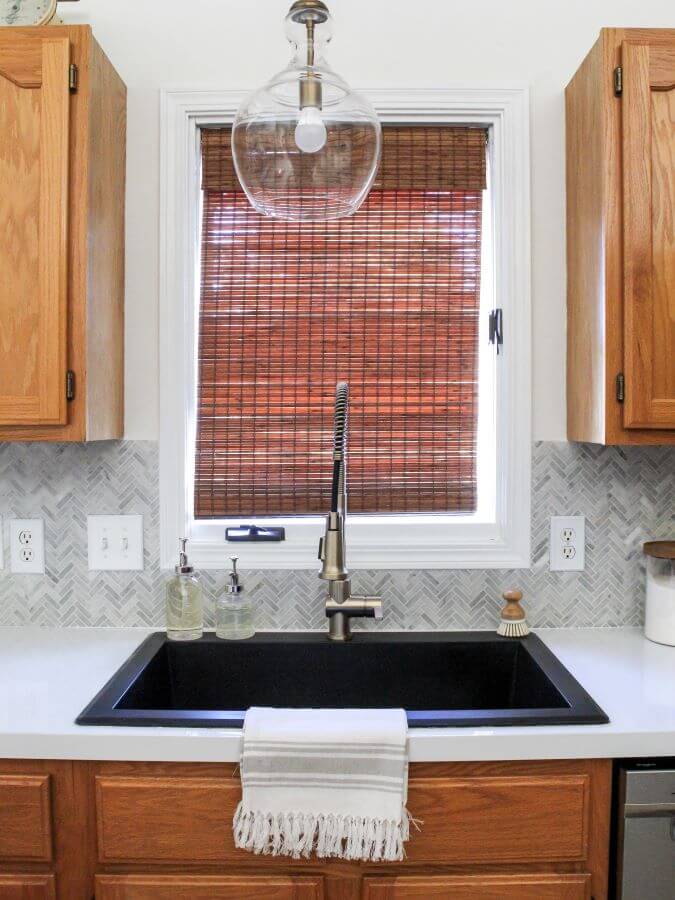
660,549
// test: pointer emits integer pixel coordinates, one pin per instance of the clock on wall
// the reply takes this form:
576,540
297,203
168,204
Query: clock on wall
27,12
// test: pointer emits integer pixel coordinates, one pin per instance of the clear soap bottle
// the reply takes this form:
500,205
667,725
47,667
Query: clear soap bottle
234,611
184,603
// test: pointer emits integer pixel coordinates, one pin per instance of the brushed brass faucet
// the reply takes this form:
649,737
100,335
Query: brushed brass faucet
341,604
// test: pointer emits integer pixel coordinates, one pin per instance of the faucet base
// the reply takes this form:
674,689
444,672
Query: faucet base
338,627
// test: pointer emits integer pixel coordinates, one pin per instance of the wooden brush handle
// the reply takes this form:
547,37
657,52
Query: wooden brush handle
513,611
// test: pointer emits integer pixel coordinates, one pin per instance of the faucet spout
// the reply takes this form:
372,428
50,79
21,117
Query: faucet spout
341,605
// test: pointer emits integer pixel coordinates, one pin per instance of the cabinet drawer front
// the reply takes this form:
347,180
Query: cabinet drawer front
480,887
178,887
476,820
178,819
27,887
501,819
25,818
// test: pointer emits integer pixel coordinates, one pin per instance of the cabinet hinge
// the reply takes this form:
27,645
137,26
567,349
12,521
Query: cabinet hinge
496,328
70,385
620,387
618,81
73,78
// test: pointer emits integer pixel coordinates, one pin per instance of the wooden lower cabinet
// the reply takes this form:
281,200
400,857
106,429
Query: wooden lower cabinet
518,830
479,887
205,887
27,887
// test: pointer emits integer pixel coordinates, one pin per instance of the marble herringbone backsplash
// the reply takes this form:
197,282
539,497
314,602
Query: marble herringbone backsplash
626,494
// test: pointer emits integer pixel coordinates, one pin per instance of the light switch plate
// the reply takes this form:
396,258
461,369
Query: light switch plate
568,543
115,543
27,546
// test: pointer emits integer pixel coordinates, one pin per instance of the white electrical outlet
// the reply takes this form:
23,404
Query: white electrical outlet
115,543
568,543
27,546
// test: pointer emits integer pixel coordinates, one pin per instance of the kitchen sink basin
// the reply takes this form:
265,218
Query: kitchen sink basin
440,679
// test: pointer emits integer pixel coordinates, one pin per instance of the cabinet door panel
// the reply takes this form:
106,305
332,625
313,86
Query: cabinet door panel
25,818
480,887
27,887
34,130
178,887
649,234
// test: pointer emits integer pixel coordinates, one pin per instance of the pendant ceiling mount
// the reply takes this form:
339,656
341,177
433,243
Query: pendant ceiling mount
304,11
306,147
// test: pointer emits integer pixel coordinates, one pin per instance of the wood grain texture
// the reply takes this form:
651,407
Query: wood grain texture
595,243
53,230
20,60
94,283
34,217
479,887
500,819
27,887
105,264
649,243
236,887
473,814
586,122
25,818
663,242
69,811
173,819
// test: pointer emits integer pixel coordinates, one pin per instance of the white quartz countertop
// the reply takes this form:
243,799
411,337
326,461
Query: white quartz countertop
47,676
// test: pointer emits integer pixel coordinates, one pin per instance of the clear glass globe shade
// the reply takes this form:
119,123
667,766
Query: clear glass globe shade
286,166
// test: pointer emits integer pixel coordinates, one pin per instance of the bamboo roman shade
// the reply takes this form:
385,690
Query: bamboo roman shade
387,300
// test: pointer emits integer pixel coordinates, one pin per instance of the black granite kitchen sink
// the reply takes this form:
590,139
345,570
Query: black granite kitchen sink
440,679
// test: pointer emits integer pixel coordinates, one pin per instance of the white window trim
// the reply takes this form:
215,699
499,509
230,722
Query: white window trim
460,545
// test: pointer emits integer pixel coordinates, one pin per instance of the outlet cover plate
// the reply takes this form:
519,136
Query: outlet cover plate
27,546
115,543
568,544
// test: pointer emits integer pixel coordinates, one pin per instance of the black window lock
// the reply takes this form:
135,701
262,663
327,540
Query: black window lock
255,533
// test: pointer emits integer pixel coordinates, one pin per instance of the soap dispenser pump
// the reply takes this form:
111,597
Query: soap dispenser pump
234,611
184,603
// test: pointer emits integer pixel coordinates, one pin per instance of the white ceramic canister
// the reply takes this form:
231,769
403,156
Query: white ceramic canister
660,609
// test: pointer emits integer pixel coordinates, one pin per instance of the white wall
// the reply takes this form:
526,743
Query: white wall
240,43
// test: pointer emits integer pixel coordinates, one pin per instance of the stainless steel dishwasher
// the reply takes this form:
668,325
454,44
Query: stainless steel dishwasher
646,833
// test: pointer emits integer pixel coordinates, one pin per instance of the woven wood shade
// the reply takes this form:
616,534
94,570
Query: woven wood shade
387,300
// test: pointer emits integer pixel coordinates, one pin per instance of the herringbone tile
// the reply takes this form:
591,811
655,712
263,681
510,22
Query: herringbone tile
626,494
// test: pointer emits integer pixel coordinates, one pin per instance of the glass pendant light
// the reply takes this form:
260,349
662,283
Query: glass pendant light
305,146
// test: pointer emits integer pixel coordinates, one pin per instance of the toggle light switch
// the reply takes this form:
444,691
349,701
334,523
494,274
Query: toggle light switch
115,543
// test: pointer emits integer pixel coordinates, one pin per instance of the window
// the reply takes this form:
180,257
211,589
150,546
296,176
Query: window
395,301
387,300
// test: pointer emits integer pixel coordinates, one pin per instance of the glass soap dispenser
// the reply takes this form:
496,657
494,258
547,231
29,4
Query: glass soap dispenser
234,611
184,604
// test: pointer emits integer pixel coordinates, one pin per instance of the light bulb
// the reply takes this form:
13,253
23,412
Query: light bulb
310,132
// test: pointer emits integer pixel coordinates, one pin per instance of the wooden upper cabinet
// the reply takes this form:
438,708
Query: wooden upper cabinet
621,240
62,167
34,126
649,233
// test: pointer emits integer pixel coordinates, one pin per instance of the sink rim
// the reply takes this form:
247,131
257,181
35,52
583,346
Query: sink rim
582,710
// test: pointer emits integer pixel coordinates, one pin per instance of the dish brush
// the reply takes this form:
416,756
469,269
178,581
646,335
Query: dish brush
513,623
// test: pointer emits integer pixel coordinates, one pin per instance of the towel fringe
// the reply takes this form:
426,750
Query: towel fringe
341,837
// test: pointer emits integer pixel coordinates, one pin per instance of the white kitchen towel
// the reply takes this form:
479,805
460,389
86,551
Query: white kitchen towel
329,781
